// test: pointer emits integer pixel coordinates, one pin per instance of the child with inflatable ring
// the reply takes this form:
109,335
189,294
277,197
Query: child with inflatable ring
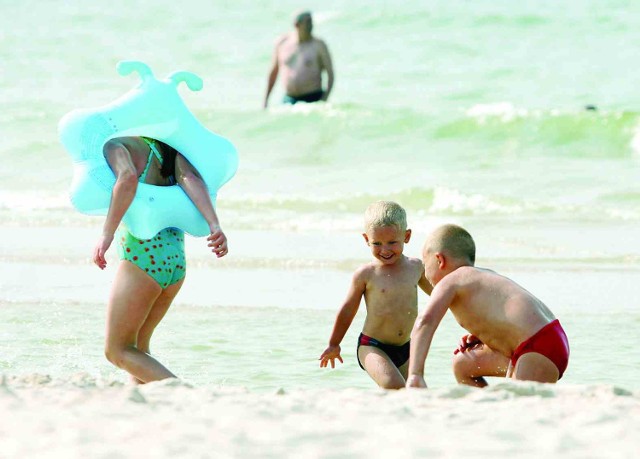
154,170
151,271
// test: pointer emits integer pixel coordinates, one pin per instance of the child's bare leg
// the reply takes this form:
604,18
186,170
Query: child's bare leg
404,370
132,297
157,313
471,366
380,368
535,367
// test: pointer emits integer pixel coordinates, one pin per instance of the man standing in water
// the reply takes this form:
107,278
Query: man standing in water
302,59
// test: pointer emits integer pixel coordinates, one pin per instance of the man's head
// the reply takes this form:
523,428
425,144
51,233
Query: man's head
303,22
447,248
385,225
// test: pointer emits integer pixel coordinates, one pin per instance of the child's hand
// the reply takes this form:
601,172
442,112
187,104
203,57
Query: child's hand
467,342
218,242
330,353
416,381
101,249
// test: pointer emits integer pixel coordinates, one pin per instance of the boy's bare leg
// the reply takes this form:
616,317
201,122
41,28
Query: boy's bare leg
471,366
157,313
404,370
380,368
132,297
535,367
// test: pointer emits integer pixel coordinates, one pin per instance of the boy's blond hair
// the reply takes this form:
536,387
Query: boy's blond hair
453,240
385,213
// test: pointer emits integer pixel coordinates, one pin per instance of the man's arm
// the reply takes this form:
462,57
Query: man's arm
344,318
273,75
424,329
327,65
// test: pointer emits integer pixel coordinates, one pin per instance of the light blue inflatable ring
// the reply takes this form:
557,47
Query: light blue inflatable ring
152,109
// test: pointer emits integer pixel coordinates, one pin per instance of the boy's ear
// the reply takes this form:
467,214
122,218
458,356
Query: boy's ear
407,236
442,261
366,238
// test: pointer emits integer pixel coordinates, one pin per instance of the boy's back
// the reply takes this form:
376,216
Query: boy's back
497,310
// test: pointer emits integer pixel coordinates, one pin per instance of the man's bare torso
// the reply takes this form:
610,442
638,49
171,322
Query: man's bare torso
301,64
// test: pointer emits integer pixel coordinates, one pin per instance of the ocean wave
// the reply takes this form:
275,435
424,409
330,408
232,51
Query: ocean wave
589,133
614,133
343,211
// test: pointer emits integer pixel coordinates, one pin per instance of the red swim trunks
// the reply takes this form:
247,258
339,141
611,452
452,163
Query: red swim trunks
550,341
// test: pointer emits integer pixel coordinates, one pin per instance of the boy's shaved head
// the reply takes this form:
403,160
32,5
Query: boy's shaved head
385,213
452,240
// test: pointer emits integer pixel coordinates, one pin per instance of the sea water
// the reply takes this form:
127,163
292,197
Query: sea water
465,112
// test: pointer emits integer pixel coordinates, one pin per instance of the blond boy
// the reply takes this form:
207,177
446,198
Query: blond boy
388,285
512,333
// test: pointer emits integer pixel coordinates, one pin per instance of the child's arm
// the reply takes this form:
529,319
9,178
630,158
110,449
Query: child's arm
424,329
124,190
343,320
424,284
191,182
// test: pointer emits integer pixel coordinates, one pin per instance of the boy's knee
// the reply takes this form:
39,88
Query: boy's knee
456,362
462,366
392,385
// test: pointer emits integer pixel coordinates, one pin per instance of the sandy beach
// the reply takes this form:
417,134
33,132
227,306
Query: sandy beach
83,417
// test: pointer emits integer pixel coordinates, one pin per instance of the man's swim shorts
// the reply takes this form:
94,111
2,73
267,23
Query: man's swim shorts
310,97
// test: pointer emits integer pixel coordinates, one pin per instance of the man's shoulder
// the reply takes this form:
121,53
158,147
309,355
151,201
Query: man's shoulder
319,44
282,39
318,41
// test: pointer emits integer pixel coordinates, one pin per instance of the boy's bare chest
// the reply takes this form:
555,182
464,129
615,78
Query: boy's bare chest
389,290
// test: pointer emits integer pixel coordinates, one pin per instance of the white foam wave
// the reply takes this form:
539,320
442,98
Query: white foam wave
450,200
504,110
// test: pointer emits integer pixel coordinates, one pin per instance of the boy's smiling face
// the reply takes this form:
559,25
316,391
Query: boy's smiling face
387,243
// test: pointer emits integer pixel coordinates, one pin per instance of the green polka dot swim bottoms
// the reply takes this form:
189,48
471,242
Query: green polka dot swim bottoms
161,257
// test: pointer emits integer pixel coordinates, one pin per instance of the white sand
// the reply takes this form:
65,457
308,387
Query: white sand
82,417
